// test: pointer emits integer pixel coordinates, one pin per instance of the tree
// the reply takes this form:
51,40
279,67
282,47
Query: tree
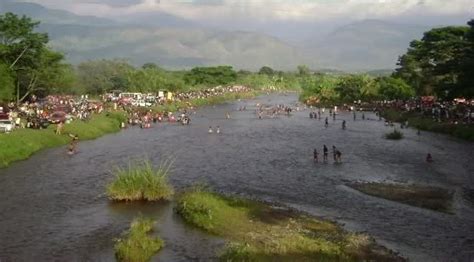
20,45
7,84
97,77
431,65
266,70
355,87
394,88
465,85
150,66
220,75
303,70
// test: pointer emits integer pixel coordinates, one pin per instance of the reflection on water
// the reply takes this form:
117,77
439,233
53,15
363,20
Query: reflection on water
53,207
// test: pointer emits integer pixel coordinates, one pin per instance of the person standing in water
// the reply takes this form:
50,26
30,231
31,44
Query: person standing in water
326,124
343,124
338,156
325,153
315,155
363,116
334,153
354,115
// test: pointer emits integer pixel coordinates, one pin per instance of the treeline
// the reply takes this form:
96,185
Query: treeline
28,66
440,64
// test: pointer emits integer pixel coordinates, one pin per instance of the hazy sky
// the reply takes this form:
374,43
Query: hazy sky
274,10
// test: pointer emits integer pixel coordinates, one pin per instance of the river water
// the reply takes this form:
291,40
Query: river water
53,206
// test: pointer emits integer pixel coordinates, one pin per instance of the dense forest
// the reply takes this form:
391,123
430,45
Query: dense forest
439,64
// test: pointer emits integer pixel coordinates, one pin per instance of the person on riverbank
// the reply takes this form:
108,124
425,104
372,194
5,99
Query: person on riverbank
326,123
325,153
59,128
315,155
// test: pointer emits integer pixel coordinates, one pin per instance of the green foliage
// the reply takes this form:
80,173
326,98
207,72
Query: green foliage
19,42
137,245
141,182
7,84
266,70
152,80
261,233
303,70
99,76
319,87
220,75
394,135
355,87
434,64
394,88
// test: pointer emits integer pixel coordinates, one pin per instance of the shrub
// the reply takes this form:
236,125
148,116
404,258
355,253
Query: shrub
141,182
137,245
395,135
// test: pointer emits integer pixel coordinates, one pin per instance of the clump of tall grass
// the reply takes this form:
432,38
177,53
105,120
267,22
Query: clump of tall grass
394,135
137,245
141,181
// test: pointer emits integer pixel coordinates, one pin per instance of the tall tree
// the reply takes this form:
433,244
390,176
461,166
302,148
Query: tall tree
431,64
7,84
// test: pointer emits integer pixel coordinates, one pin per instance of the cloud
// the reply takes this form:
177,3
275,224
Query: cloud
267,10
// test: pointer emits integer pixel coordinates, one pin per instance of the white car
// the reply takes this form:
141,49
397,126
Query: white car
141,103
6,126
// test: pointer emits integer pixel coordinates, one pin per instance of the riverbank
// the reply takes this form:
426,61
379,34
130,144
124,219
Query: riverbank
22,143
259,232
461,131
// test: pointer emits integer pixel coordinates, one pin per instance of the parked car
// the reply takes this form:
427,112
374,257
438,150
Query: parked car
6,126
57,117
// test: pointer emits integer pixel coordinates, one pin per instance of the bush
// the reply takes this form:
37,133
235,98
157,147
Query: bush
141,182
395,135
137,245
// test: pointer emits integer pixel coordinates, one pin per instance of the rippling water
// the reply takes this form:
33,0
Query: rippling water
53,206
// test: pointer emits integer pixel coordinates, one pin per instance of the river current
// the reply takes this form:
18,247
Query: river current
53,206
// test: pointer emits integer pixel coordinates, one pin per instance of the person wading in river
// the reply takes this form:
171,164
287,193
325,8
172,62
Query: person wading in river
334,155
315,155
326,123
343,124
325,153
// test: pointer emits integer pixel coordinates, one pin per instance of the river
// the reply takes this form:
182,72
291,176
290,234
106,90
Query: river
53,206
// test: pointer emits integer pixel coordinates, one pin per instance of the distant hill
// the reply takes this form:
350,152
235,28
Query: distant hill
51,16
365,45
177,43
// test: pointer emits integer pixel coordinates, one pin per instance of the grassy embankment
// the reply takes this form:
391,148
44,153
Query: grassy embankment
259,232
433,198
22,143
140,181
137,245
462,131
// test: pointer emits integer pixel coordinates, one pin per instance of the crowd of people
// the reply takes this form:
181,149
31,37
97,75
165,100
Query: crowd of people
39,113
454,111
210,92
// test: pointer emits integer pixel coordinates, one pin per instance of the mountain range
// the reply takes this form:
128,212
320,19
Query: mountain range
174,42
